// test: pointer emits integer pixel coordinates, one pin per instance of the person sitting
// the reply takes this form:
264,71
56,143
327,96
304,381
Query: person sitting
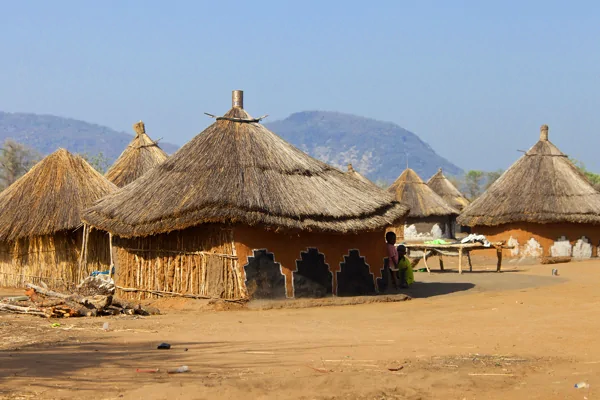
405,271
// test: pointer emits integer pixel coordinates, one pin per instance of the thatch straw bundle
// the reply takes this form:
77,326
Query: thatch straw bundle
140,156
356,175
237,171
410,189
50,197
543,186
447,191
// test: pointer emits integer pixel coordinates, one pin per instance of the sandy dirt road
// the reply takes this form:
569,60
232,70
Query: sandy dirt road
517,335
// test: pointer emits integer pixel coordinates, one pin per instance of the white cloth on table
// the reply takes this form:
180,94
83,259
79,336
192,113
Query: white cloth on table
474,238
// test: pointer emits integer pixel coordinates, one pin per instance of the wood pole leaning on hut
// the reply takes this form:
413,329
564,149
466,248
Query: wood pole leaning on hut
110,252
85,255
84,248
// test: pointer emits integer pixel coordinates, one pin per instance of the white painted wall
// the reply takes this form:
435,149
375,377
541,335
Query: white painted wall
582,248
532,249
561,248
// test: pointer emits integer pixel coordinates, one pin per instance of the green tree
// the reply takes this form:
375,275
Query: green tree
458,182
15,160
99,161
491,177
473,182
593,178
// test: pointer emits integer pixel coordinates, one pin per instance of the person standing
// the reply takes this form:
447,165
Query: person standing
390,238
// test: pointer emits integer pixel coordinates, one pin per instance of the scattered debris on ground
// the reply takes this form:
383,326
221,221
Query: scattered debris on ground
93,297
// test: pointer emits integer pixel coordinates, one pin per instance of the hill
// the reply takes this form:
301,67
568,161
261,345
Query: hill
375,148
46,133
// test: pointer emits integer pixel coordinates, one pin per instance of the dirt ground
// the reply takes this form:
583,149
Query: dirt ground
521,334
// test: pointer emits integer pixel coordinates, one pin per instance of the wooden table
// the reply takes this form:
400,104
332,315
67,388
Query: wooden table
456,250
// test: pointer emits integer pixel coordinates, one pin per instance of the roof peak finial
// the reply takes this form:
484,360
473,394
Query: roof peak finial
237,99
350,168
544,132
139,128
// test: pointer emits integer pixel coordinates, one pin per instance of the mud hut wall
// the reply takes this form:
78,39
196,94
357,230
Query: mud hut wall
197,261
8,274
53,259
399,231
544,234
287,249
424,226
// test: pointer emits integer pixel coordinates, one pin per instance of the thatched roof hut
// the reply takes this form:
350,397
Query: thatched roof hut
140,156
356,175
423,202
543,186
541,205
237,171
447,191
40,221
239,212
50,197
430,216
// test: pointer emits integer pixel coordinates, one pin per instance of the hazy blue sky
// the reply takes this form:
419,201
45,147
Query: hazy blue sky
475,79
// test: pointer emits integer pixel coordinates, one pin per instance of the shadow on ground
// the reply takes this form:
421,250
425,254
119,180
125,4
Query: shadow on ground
71,365
420,290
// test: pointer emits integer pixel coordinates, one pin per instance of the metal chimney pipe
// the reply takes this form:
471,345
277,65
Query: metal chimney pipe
237,98
544,132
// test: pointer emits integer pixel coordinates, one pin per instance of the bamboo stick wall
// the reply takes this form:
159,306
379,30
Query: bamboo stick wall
197,261
53,259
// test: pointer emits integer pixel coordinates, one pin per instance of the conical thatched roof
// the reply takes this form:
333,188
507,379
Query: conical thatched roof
543,186
410,189
140,156
50,197
447,191
237,171
356,175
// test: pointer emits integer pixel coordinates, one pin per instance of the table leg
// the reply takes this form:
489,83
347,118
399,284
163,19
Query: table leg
499,254
441,262
460,254
425,261
469,259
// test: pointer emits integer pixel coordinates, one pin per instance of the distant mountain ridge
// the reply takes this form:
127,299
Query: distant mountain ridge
47,133
376,149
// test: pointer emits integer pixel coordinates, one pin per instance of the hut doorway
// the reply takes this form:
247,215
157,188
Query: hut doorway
312,277
355,277
264,279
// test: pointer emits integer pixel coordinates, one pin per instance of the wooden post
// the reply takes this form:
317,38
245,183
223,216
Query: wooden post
499,254
460,254
469,259
441,262
425,261
110,251
85,248
83,256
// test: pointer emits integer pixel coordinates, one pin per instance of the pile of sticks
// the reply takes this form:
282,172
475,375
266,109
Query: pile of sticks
50,304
